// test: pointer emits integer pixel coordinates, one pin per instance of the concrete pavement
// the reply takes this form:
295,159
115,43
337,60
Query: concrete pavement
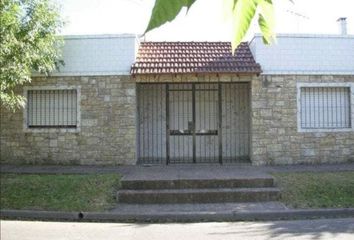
147,213
133,169
233,212
339,229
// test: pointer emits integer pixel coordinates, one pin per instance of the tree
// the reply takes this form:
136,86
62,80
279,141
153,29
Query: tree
241,12
28,43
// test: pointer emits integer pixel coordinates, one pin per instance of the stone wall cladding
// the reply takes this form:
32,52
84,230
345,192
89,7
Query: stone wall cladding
189,78
108,113
107,130
275,137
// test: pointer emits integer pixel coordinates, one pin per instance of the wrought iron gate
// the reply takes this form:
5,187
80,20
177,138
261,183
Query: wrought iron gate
193,123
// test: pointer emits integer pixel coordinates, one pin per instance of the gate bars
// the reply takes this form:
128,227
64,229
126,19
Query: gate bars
189,122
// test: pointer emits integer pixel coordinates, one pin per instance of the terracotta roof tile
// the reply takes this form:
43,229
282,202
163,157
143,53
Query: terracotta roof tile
193,57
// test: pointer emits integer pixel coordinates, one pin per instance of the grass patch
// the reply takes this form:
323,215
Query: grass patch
65,192
317,190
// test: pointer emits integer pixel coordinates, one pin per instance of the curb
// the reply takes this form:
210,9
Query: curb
290,214
38,215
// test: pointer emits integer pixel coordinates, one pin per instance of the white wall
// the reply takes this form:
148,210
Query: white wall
98,55
305,54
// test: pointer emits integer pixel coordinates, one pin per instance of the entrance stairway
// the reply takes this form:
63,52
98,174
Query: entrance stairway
178,185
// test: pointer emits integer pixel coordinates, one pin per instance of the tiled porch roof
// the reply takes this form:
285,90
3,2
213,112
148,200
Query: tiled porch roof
193,57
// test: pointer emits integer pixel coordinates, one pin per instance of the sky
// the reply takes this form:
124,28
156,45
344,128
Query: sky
203,22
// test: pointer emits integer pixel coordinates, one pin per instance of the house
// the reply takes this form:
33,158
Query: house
118,101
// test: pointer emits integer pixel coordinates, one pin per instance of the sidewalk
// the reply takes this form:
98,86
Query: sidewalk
161,214
182,212
132,169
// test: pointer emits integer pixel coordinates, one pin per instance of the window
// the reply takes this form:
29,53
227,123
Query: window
52,108
324,107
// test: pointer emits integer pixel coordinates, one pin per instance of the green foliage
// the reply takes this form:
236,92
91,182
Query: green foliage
241,11
266,20
63,192
317,190
165,11
28,43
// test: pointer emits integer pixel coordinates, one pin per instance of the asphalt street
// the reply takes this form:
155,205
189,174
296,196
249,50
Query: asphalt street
301,229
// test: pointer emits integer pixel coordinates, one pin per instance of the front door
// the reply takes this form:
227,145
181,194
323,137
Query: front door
193,123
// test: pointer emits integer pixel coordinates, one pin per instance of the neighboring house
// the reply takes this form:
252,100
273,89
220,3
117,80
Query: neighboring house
189,102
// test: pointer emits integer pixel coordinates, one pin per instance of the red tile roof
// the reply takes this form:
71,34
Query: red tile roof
193,57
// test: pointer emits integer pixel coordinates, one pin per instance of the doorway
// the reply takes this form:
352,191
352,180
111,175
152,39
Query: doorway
193,123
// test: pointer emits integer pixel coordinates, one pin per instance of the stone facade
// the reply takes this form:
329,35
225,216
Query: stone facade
275,137
107,133
189,78
107,126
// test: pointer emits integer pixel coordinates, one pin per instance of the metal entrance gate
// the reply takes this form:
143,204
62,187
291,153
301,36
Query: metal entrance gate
193,123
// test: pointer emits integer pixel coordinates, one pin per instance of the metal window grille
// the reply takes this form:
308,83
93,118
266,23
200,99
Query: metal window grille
325,107
52,108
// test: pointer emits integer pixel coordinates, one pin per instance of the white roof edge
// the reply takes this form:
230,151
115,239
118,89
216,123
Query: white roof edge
98,36
305,73
304,35
79,74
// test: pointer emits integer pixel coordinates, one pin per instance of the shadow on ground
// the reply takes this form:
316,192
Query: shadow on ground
300,229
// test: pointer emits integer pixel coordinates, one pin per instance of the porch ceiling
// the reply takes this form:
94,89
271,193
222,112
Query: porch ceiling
193,57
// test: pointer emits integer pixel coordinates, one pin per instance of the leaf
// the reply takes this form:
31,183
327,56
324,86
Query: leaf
266,21
243,13
266,31
165,11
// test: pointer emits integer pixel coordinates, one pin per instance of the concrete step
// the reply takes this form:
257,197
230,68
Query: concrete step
206,195
198,183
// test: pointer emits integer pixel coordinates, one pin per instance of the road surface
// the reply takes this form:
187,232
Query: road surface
337,229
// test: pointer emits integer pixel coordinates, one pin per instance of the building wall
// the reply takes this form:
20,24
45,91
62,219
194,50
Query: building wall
189,78
275,137
107,126
107,133
85,55
305,53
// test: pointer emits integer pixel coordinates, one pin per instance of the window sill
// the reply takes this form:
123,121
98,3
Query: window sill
51,130
324,130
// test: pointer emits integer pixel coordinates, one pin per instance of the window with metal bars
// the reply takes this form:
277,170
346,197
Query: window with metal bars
325,107
52,108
